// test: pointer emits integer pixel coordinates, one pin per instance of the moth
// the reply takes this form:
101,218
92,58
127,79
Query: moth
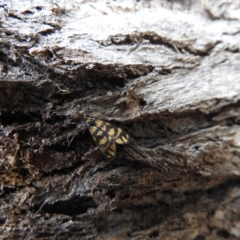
106,136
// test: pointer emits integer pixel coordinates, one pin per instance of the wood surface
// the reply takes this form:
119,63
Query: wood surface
167,72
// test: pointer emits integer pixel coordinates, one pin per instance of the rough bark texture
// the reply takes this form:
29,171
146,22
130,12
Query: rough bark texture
168,72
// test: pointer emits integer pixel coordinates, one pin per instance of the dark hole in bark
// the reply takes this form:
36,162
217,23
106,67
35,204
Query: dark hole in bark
142,102
223,233
73,206
199,237
154,234
8,117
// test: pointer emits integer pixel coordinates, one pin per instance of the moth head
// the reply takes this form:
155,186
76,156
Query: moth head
89,120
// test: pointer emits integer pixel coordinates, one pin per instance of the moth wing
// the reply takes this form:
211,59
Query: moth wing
109,151
104,143
121,137
115,133
93,132
106,136
104,126
100,137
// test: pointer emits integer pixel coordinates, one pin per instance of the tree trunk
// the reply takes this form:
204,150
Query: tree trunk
166,72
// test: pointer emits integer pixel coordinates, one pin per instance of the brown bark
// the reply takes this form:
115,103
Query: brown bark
167,72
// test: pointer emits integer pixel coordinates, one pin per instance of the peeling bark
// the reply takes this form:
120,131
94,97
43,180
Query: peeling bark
167,73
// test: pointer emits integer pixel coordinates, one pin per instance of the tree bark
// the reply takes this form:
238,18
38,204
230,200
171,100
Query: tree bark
167,72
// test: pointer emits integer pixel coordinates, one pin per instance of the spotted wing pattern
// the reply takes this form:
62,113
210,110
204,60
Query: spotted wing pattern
106,136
